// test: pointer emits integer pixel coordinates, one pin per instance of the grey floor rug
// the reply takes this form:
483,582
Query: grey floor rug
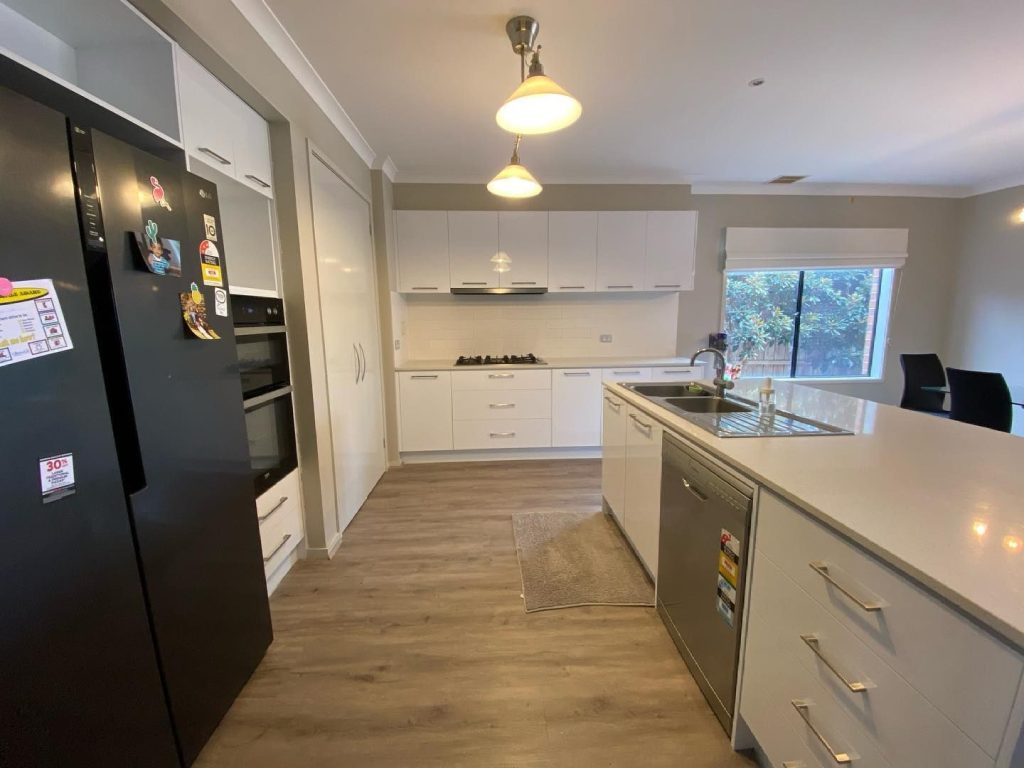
576,558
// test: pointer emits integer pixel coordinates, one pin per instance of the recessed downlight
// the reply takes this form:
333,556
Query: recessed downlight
757,81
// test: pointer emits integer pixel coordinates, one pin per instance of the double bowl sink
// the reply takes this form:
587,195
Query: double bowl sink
729,416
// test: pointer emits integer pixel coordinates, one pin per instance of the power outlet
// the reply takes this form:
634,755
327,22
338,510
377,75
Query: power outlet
398,344
606,338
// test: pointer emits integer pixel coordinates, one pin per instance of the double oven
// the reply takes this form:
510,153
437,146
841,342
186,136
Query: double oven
262,342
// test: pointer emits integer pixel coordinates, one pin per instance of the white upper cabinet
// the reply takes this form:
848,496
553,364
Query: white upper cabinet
572,251
422,245
523,236
621,250
220,129
472,242
671,250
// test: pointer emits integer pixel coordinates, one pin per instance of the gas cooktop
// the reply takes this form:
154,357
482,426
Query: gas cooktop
500,360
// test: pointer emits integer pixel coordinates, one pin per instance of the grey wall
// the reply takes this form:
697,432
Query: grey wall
987,314
921,312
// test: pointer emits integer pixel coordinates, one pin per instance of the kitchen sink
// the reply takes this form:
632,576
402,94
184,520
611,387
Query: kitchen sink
707,405
668,390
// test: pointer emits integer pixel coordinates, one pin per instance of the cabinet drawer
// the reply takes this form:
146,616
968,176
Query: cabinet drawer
280,513
966,673
678,373
501,379
513,404
502,433
626,373
907,728
285,491
781,698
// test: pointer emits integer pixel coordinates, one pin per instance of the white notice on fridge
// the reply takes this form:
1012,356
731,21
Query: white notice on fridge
31,322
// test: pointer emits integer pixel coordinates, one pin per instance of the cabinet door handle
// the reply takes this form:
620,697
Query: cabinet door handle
803,709
694,489
626,373
424,376
674,373
640,423
363,353
572,287
619,286
612,403
503,434
219,158
358,361
483,282
524,282
274,508
425,288
814,643
258,180
501,376
502,405
667,285
821,568
576,373
285,540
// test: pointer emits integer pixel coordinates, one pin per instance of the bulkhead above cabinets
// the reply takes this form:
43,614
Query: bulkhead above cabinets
545,251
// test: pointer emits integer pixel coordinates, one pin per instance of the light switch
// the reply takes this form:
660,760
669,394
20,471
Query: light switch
606,338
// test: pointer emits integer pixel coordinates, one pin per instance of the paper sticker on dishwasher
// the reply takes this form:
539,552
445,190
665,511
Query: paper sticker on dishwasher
729,558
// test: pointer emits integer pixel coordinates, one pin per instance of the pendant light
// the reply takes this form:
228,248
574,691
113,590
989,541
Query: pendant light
539,105
514,180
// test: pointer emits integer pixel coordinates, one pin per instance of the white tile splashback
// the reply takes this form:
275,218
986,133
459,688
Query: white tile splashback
552,325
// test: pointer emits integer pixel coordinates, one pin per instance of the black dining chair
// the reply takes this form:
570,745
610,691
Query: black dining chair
923,371
981,398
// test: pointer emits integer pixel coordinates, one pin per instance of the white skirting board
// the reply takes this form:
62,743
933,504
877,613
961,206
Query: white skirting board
521,454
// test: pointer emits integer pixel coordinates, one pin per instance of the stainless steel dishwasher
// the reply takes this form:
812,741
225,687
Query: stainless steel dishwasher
702,564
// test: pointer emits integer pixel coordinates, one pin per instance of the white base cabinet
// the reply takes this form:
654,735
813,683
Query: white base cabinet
643,486
613,456
425,410
279,511
576,407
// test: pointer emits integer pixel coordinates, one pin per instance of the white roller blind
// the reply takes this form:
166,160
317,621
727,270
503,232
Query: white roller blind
777,249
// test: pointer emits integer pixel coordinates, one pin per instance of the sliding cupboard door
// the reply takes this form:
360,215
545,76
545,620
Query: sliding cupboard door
348,309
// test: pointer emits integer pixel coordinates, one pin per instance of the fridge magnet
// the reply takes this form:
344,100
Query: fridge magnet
57,477
161,255
210,258
220,302
159,195
210,224
31,322
193,311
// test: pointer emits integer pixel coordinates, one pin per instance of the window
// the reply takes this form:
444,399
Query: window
812,323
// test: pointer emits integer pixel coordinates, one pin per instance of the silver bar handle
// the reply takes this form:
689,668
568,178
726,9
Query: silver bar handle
501,375
274,509
285,540
612,403
424,376
524,282
686,371
803,709
626,373
821,568
694,489
503,434
571,287
425,288
482,282
502,405
620,286
640,424
667,285
814,643
363,353
358,362
258,180
575,373
219,158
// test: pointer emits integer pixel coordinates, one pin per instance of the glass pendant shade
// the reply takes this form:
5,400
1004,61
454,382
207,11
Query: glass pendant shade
514,181
538,105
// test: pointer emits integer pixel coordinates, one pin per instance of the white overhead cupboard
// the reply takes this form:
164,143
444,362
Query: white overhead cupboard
563,251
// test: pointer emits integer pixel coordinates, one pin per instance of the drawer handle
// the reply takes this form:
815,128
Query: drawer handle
219,158
803,709
274,509
694,489
424,376
285,540
576,373
666,285
424,288
258,180
640,423
503,434
822,569
619,286
626,373
524,282
502,405
571,287
501,376
814,643
612,403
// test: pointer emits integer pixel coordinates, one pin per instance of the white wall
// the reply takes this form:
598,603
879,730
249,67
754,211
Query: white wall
986,330
549,325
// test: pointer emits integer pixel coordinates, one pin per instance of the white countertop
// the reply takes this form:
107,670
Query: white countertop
551,362
934,498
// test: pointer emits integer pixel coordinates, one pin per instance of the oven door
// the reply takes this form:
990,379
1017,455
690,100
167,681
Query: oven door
271,428
262,359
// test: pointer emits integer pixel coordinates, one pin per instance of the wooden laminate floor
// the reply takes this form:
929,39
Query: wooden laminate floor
411,647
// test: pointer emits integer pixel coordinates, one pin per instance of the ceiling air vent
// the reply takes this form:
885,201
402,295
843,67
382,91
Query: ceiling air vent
787,179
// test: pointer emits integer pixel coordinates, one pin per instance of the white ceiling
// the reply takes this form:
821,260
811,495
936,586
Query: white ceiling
923,92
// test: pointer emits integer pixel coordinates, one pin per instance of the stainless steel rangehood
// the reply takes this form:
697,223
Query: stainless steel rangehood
499,291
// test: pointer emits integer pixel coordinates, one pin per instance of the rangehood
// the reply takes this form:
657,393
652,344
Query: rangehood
499,291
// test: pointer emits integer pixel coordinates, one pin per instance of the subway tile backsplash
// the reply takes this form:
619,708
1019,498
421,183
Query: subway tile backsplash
549,325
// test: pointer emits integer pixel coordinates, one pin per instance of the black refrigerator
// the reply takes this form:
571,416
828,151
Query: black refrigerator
133,604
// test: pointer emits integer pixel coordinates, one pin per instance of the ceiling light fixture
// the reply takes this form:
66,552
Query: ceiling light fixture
514,180
539,105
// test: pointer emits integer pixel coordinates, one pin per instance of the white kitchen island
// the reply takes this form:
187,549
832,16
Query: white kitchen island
884,620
